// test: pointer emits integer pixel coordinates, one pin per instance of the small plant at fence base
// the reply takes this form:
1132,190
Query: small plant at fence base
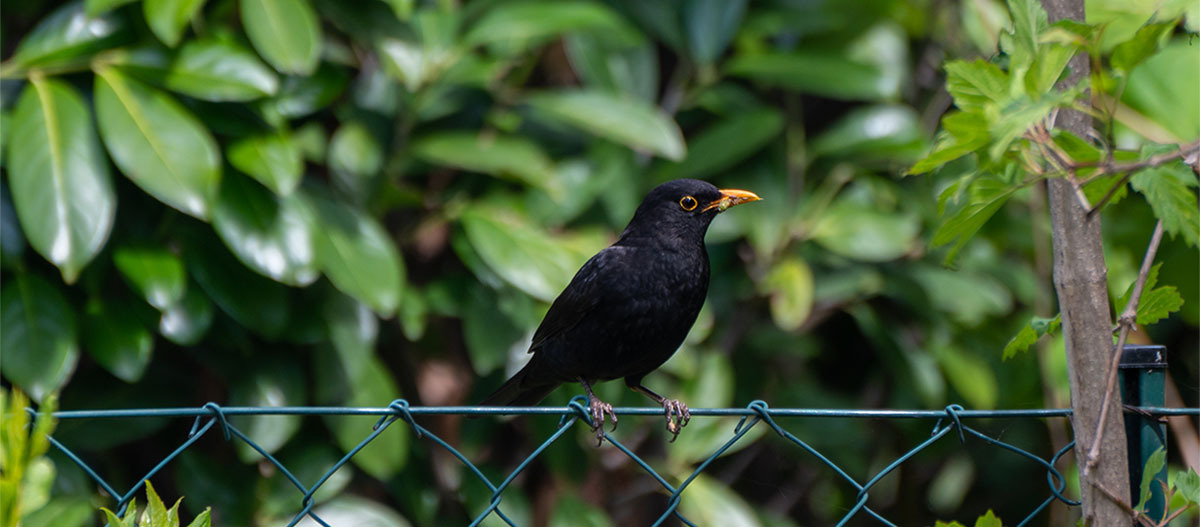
156,513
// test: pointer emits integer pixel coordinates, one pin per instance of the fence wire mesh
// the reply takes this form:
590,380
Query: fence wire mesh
949,422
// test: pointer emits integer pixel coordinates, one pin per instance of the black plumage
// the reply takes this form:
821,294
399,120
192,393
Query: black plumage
630,306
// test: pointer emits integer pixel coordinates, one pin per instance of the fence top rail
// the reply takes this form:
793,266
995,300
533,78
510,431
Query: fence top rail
562,410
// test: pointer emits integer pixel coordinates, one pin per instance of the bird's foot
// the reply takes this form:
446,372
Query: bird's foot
677,415
599,410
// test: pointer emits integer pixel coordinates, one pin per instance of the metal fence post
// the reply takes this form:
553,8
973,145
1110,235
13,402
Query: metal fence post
1143,372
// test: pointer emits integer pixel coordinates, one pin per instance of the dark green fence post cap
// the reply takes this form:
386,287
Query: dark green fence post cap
1139,356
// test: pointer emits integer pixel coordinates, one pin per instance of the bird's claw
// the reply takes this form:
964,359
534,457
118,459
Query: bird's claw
677,415
599,410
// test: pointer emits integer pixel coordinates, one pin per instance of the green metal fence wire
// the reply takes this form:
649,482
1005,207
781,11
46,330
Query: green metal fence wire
756,413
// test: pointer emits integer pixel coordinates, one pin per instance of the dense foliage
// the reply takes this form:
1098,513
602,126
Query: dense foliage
314,202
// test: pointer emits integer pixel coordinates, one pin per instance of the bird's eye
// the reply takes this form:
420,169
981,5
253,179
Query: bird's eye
688,203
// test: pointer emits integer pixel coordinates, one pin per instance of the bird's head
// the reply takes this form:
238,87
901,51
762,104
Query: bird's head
683,207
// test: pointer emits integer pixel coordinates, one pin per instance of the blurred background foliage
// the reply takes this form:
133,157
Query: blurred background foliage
313,202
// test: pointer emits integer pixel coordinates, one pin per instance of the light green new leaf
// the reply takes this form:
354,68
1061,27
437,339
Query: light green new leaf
1029,334
1188,485
528,22
988,520
271,158
37,333
819,73
1169,190
725,143
1166,89
97,7
168,18
220,71
524,256
1029,19
285,32
975,84
270,234
59,178
204,519
790,286
1127,55
116,339
1154,465
69,35
155,273
964,133
986,197
157,143
356,253
496,155
1158,304
631,122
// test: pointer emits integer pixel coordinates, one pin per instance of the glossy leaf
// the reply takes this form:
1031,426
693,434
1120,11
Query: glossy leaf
353,510
354,151
271,158
356,253
59,177
966,297
157,143
285,32
37,332
96,7
220,70
624,120
724,144
352,329
496,155
69,35
818,73
187,321
865,233
875,132
710,502
710,25
12,242
386,455
278,384
155,273
629,70
117,340
168,18
271,235
530,21
524,256
301,95
253,301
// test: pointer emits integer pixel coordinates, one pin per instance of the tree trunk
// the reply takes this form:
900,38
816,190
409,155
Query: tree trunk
1080,280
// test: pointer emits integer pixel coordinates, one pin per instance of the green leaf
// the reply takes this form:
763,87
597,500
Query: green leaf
1127,55
12,242
497,155
278,383
975,84
1166,89
349,509
1154,464
219,71
301,95
790,286
988,520
168,18
970,376
1169,190
527,23
155,273
97,7
356,253
285,32
255,302
969,298
710,25
632,71
387,454
157,143
524,256
964,133
60,183
204,519
354,151
69,35
1029,20
113,521
270,234
624,120
353,330
865,233
708,501
271,158
875,132
815,72
1188,485
986,196
573,511
186,322
61,512
1029,334
37,331
156,510
724,144
1047,68
116,339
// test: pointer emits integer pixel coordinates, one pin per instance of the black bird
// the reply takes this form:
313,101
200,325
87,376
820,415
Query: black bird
630,306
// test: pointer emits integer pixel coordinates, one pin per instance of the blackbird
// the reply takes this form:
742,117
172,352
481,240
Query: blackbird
630,306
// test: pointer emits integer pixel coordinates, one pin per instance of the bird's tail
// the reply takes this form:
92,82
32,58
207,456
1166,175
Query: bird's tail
523,389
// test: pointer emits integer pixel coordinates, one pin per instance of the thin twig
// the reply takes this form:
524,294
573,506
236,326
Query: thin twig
1137,516
1125,322
1131,167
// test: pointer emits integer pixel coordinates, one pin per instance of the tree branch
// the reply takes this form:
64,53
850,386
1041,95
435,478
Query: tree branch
1129,168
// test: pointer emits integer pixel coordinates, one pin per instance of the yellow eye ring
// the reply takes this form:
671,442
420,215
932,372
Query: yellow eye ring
688,203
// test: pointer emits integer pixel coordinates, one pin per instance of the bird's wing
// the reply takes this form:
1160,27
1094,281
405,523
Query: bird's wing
585,292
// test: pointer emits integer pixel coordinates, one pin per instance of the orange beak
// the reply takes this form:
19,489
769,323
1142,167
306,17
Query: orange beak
731,197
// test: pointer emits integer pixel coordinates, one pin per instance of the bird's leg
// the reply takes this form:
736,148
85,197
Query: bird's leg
676,412
599,409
